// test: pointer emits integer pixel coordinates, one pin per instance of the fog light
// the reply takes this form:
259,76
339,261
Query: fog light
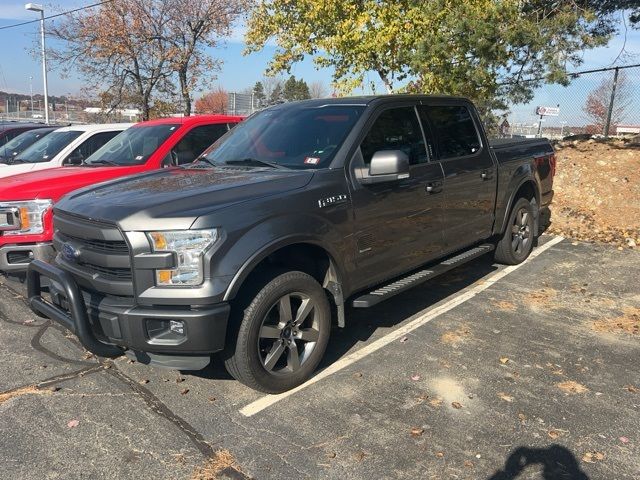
176,326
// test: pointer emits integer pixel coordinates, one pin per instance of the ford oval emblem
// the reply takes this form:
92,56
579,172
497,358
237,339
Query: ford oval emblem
70,253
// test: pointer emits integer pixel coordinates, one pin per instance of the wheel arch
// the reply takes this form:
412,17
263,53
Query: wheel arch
298,253
526,188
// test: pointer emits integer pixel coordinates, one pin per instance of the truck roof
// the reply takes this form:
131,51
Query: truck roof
101,127
193,119
365,100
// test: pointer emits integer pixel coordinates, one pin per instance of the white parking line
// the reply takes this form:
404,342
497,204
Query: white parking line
428,315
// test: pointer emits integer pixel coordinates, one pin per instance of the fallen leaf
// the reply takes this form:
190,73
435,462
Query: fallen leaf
572,387
468,463
184,391
180,379
415,378
27,322
435,402
631,388
144,381
403,339
456,405
212,399
73,423
624,439
54,389
439,454
505,397
553,434
593,457
331,455
504,360
522,417
357,374
417,431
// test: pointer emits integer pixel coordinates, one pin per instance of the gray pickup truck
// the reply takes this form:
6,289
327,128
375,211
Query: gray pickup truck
254,250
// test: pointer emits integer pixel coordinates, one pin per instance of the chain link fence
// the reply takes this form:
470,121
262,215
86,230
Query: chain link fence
597,102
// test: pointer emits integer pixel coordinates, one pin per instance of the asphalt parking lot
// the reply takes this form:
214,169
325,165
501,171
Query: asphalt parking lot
485,373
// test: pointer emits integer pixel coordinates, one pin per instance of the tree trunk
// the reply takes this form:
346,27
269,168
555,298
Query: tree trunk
385,80
186,95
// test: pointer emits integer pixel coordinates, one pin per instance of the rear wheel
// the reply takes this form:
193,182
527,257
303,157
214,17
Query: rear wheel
282,335
517,242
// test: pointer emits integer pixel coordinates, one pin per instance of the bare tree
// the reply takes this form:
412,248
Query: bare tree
271,85
118,48
599,100
133,51
318,90
193,27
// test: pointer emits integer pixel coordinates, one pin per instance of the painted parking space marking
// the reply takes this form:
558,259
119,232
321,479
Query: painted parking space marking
428,314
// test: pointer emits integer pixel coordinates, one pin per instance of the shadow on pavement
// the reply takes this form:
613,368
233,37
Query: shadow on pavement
558,464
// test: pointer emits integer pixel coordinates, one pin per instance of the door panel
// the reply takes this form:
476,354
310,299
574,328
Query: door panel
469,175
398,225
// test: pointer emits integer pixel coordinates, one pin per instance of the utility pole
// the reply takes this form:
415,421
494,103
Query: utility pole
613,99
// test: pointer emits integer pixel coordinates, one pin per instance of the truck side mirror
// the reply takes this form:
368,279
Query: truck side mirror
386,166
76,158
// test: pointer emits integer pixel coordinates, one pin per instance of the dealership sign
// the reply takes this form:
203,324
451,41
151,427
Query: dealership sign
548,111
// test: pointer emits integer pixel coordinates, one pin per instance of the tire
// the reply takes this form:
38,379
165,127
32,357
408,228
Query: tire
519,236
282,333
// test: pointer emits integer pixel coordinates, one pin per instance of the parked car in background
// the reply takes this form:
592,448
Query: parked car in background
13,147
10,130
66,146
26,200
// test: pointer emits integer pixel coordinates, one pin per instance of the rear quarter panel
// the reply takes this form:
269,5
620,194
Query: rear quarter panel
518,163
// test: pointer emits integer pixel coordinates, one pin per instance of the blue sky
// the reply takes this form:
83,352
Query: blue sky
239,72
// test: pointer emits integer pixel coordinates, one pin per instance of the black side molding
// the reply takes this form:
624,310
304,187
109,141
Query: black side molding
77,319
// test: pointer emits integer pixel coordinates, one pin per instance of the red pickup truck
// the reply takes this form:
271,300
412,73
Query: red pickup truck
26,227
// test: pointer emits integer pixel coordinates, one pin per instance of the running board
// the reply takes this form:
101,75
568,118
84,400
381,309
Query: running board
383,293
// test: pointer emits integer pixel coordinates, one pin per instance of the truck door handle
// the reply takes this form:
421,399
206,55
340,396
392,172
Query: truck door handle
433,187
486,175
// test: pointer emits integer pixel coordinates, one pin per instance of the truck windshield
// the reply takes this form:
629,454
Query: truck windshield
297,137
48,147
134,146
22,141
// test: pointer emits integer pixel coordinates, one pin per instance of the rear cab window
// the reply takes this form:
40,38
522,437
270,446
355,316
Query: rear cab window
454,128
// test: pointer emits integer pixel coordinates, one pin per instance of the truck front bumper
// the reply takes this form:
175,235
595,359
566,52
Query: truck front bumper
16,258
170,336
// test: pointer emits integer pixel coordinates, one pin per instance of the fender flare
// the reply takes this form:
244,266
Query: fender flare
512,198
258,256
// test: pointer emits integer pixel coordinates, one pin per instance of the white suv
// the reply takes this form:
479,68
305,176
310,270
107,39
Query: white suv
64,146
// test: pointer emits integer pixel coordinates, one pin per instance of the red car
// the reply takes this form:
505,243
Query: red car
26,200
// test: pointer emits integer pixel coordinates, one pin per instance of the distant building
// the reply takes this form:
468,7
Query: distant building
627,129
132,114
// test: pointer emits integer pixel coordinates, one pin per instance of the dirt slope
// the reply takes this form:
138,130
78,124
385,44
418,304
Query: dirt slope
597,192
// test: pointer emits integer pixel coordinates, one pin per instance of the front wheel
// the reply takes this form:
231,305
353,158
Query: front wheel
283,334
517,242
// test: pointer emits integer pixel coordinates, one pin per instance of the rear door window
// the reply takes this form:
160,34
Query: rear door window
454,128
396,129
90,146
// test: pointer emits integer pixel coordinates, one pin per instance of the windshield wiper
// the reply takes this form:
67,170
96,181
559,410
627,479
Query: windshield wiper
254,162
102,162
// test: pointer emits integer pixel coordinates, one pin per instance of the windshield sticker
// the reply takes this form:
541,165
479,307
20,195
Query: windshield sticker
45,156
172,129
139,157
311,160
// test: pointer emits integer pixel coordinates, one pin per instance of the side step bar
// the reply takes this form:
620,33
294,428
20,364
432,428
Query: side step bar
383,293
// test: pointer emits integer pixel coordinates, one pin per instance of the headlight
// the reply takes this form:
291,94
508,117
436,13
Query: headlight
189,247
23,218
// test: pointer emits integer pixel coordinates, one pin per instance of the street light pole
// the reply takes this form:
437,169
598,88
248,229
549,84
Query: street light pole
31,92
34,7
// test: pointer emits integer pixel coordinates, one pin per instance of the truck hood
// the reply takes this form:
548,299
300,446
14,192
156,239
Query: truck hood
53,183
172,199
